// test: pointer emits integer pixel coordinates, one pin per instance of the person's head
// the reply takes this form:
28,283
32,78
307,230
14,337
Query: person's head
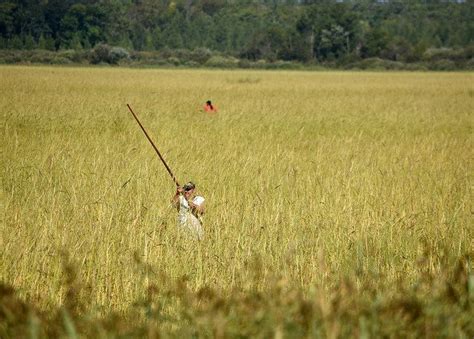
209,104
189,188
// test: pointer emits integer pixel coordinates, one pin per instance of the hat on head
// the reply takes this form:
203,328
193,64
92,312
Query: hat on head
189,186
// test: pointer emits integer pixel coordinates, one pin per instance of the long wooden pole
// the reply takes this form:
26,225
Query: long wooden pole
156,149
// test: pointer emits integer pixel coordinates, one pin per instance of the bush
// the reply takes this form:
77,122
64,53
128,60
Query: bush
438,54
443,65
470,64
182,54
201,55
244,63
280,64
174,61
222,62
468,52
117,54
58,60
74,55
376,64
192,64
100,53
41,56
166,53
146,57
416,67
103,53
264,64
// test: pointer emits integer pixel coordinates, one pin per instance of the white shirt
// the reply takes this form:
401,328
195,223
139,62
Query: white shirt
186,219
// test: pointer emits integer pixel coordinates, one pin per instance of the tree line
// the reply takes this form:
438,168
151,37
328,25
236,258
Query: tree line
311,31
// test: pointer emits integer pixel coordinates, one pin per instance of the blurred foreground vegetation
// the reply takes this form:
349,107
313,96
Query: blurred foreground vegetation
433,305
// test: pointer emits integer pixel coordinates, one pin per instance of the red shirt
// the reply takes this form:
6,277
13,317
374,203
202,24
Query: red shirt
209,108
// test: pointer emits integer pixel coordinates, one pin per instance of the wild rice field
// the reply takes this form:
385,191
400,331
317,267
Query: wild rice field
337,203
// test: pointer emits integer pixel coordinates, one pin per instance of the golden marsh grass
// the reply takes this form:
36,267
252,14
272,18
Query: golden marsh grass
308,176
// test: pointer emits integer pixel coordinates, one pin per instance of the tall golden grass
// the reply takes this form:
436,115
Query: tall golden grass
311,179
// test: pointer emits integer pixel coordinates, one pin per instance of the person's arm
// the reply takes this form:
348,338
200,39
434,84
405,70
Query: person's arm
175,199
197,209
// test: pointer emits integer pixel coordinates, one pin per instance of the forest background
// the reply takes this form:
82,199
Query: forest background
432,35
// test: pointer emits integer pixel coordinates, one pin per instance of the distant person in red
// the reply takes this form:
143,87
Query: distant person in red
209,107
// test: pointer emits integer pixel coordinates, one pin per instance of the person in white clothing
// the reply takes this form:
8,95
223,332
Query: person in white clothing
190,210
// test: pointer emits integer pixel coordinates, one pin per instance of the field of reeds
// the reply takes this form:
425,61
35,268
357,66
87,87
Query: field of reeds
338,204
